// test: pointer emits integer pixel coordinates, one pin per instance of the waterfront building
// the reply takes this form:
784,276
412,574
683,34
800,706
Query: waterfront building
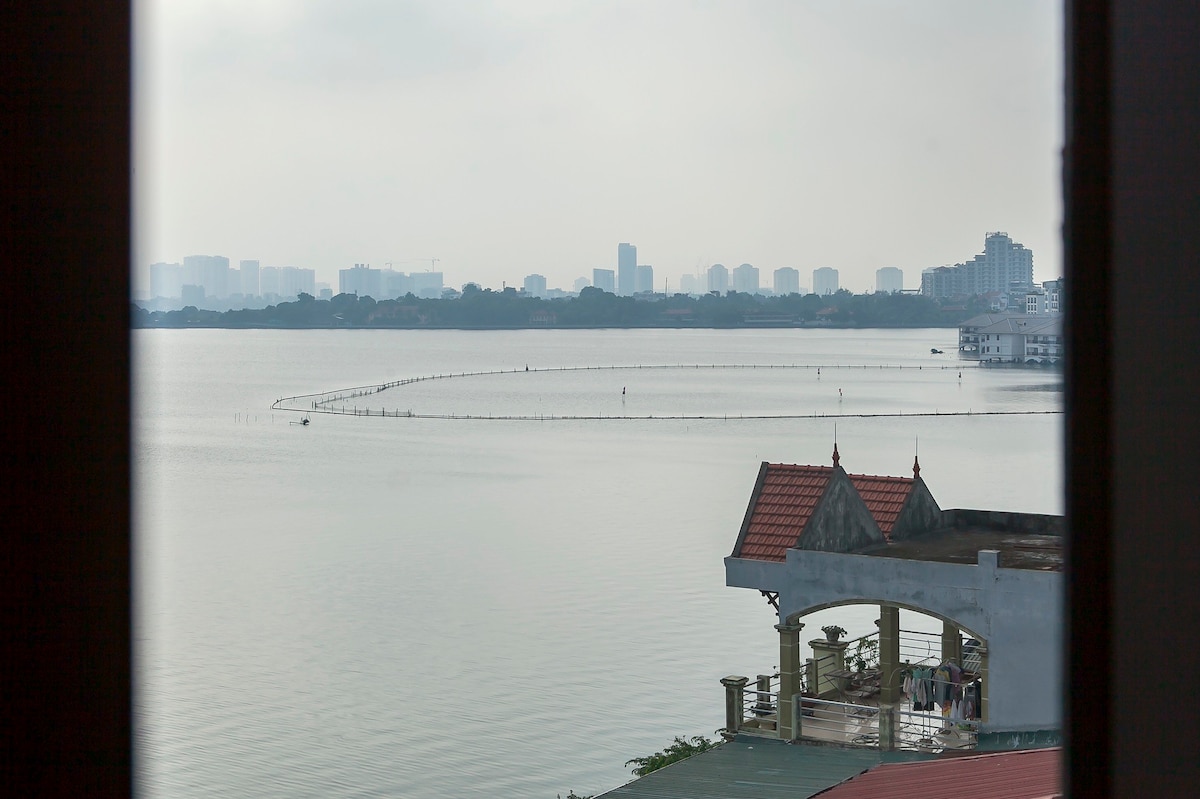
817,537
825,281
889,280
604,279
643,279
626,269
689,284
1029,338
745,279
535,285
718,278
166,280
787,281
581,283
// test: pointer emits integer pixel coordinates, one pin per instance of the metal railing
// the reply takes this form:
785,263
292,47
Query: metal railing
932,732
837,722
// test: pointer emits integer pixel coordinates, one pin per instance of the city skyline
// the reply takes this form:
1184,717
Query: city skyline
505,141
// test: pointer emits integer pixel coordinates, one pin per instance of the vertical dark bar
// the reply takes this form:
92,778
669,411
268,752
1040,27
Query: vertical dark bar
65,224
1155,451
1087,239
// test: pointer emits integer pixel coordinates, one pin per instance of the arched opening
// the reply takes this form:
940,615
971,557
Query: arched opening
917,681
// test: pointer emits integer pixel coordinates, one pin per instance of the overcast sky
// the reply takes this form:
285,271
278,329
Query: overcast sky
505,138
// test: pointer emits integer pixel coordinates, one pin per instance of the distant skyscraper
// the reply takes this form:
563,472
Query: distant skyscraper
360,279
825,281
166,280
1003,266
889,279
718,278
689,284
535,285
427,284
209,271
581,283
787,281
643,279
268,281
294,281
604,279
745,279
626,269
249,278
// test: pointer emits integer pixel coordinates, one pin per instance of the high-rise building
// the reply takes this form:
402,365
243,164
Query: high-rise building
268,281
643,279
581,283
604,279
626,269
745,279
249,278
535,285
787,281
689,284
1004,266
209,271
427,284
166,280
889,280
825,281
362,280
395,284
294,281
718,278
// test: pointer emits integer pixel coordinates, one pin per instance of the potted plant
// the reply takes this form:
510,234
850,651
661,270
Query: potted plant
832,632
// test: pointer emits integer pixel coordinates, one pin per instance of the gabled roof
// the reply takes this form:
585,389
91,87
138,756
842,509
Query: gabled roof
782,503
884,496
1026,774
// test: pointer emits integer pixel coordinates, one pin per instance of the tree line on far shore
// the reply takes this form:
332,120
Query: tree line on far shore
485,308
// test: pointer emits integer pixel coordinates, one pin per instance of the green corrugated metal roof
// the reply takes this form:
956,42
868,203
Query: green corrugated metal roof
754,768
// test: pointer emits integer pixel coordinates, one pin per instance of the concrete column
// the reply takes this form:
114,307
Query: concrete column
830,656
951,643
983,684
887,727
789,675
889,655
735,686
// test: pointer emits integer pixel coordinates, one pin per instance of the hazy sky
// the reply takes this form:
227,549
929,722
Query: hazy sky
505,138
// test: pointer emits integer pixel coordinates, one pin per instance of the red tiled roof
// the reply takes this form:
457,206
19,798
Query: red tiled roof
1025,774
885,497
782,506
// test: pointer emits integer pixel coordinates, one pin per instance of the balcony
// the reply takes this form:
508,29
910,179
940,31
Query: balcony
839,701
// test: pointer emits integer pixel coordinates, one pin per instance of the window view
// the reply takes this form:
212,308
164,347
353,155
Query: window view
533,395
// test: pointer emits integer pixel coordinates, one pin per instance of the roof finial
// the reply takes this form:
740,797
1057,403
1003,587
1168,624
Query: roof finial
916,462
836,457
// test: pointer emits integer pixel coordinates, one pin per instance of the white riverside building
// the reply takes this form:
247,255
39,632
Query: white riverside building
1003,265
1012,338
787,281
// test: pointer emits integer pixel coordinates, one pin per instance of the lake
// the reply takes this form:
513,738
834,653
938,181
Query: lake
428,607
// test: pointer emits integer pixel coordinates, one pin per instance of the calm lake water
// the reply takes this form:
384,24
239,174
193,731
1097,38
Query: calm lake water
431,608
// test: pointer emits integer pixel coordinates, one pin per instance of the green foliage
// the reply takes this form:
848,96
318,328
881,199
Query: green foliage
485,308
679,750
865,655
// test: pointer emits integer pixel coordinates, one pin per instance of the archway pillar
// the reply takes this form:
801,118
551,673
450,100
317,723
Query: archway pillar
889,655
790,665
951,642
